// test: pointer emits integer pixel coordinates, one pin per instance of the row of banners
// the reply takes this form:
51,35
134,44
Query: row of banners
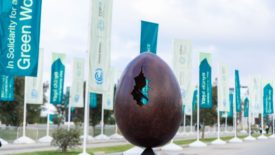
260,99
20,56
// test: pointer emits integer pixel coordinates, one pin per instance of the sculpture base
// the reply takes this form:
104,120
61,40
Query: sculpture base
3,142
272,136
148,151
262,137
198,143
250,138
218,142
133,151
101,137
46,139
84,153
171,147
116,136
235,140
24,140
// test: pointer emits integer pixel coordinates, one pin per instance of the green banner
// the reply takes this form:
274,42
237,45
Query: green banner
268,99
246,107
149,37
20,37
195,99
57,82
231,100
238,91
7,88
205,86
93,100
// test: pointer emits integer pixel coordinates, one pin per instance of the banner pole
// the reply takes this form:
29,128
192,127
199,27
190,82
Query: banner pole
24,112
102,118
218,122
191,122
198,121
184,122
225,129
48,124
69,116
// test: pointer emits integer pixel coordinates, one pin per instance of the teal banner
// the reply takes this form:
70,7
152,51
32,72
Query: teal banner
268,100
231,100
149,37
205,88
238,91
246,107
57,82
195,100
20,37
7,88
93,100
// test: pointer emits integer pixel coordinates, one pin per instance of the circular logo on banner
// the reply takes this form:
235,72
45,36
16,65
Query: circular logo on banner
99,76
76,98
34,93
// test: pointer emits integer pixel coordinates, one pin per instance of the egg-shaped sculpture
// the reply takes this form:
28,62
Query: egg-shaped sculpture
148,104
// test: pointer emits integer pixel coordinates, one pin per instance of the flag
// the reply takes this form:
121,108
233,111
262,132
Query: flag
237,91
182,59
195,99
205,86
255,92
20,37
246,107
99,57
34,85
268,99
108,96
57,78
93,100
231,102
7,88
223,89
77,89
148,37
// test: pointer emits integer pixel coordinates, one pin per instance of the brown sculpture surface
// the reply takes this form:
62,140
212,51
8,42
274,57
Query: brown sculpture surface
148,104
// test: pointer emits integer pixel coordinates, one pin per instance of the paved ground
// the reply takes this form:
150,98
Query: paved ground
264,145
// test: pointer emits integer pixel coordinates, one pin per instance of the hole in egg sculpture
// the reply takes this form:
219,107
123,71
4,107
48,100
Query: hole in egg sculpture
141,90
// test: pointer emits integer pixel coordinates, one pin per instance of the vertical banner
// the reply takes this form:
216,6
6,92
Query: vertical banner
108,96
205,86
255,92
77,89
182,59
148,37
34,85
237,92
223,89
93,100
195,99
246,107
100,40
20,37
231,102
268,99
7,88
57,78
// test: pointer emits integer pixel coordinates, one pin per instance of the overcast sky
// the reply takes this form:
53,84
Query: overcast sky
239,33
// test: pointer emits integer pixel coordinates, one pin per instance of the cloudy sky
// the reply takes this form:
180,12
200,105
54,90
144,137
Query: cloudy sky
239,33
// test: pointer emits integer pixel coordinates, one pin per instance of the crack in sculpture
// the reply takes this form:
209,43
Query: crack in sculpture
141,89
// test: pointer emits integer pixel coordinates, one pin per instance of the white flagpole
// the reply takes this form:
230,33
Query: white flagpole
184,122
198,143
48,124
24,139
191,122
235,139
225,129
69,116
249,137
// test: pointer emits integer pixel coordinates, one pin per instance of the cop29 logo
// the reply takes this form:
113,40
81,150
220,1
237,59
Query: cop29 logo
99,76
